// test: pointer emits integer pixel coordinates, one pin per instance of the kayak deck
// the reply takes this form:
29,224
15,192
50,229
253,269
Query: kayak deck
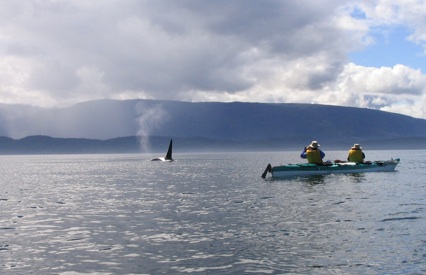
303,169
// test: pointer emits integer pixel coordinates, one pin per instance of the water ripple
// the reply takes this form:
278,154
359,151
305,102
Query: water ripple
400,219
124,215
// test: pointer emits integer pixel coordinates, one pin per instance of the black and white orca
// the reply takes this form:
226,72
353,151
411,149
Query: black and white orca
168,155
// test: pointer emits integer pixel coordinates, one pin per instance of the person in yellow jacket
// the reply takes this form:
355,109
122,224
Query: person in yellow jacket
312,153
356,154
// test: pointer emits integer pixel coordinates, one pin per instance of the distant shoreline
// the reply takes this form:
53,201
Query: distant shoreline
132,144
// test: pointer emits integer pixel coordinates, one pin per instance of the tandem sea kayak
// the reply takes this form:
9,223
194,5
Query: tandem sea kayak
306,169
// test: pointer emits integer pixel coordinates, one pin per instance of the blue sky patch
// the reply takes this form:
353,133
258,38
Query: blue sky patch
391,48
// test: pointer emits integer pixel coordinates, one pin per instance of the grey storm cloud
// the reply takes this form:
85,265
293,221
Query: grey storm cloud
63,52
160,46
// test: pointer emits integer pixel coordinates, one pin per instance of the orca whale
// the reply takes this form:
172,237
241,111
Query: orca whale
168,155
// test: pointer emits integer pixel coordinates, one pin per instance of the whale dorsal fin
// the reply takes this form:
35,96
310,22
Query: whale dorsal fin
169,152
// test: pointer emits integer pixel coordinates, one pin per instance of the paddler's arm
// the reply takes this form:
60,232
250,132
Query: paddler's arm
303,154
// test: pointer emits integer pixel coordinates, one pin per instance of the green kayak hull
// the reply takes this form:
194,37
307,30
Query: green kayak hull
305,169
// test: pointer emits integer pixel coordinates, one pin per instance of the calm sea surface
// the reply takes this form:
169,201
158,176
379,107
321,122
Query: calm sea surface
209,214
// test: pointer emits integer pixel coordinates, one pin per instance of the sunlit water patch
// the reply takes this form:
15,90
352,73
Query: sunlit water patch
208,214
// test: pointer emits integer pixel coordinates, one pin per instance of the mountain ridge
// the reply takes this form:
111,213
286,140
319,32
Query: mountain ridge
234,124
49,145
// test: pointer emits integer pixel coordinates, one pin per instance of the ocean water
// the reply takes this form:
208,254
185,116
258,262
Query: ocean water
209,213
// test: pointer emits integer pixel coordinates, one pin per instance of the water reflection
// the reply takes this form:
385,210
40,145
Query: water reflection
324,179
314,180
356,177
216,216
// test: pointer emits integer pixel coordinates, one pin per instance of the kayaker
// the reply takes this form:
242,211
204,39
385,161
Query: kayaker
313,154
356,154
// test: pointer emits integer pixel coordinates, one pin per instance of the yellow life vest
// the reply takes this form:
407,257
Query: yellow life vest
355,155
313,156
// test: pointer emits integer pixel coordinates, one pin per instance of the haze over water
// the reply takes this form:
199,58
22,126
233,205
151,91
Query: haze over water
209,214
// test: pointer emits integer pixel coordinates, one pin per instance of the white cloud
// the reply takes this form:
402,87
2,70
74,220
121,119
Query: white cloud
409,13
61,52
399,80
398,89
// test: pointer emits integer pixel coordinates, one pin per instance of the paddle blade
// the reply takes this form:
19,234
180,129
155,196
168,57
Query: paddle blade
268,169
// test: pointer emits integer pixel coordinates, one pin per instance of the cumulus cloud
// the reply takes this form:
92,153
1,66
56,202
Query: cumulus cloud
398,89
62,52
399,80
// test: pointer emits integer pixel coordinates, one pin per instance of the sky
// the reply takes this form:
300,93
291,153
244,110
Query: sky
367,54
